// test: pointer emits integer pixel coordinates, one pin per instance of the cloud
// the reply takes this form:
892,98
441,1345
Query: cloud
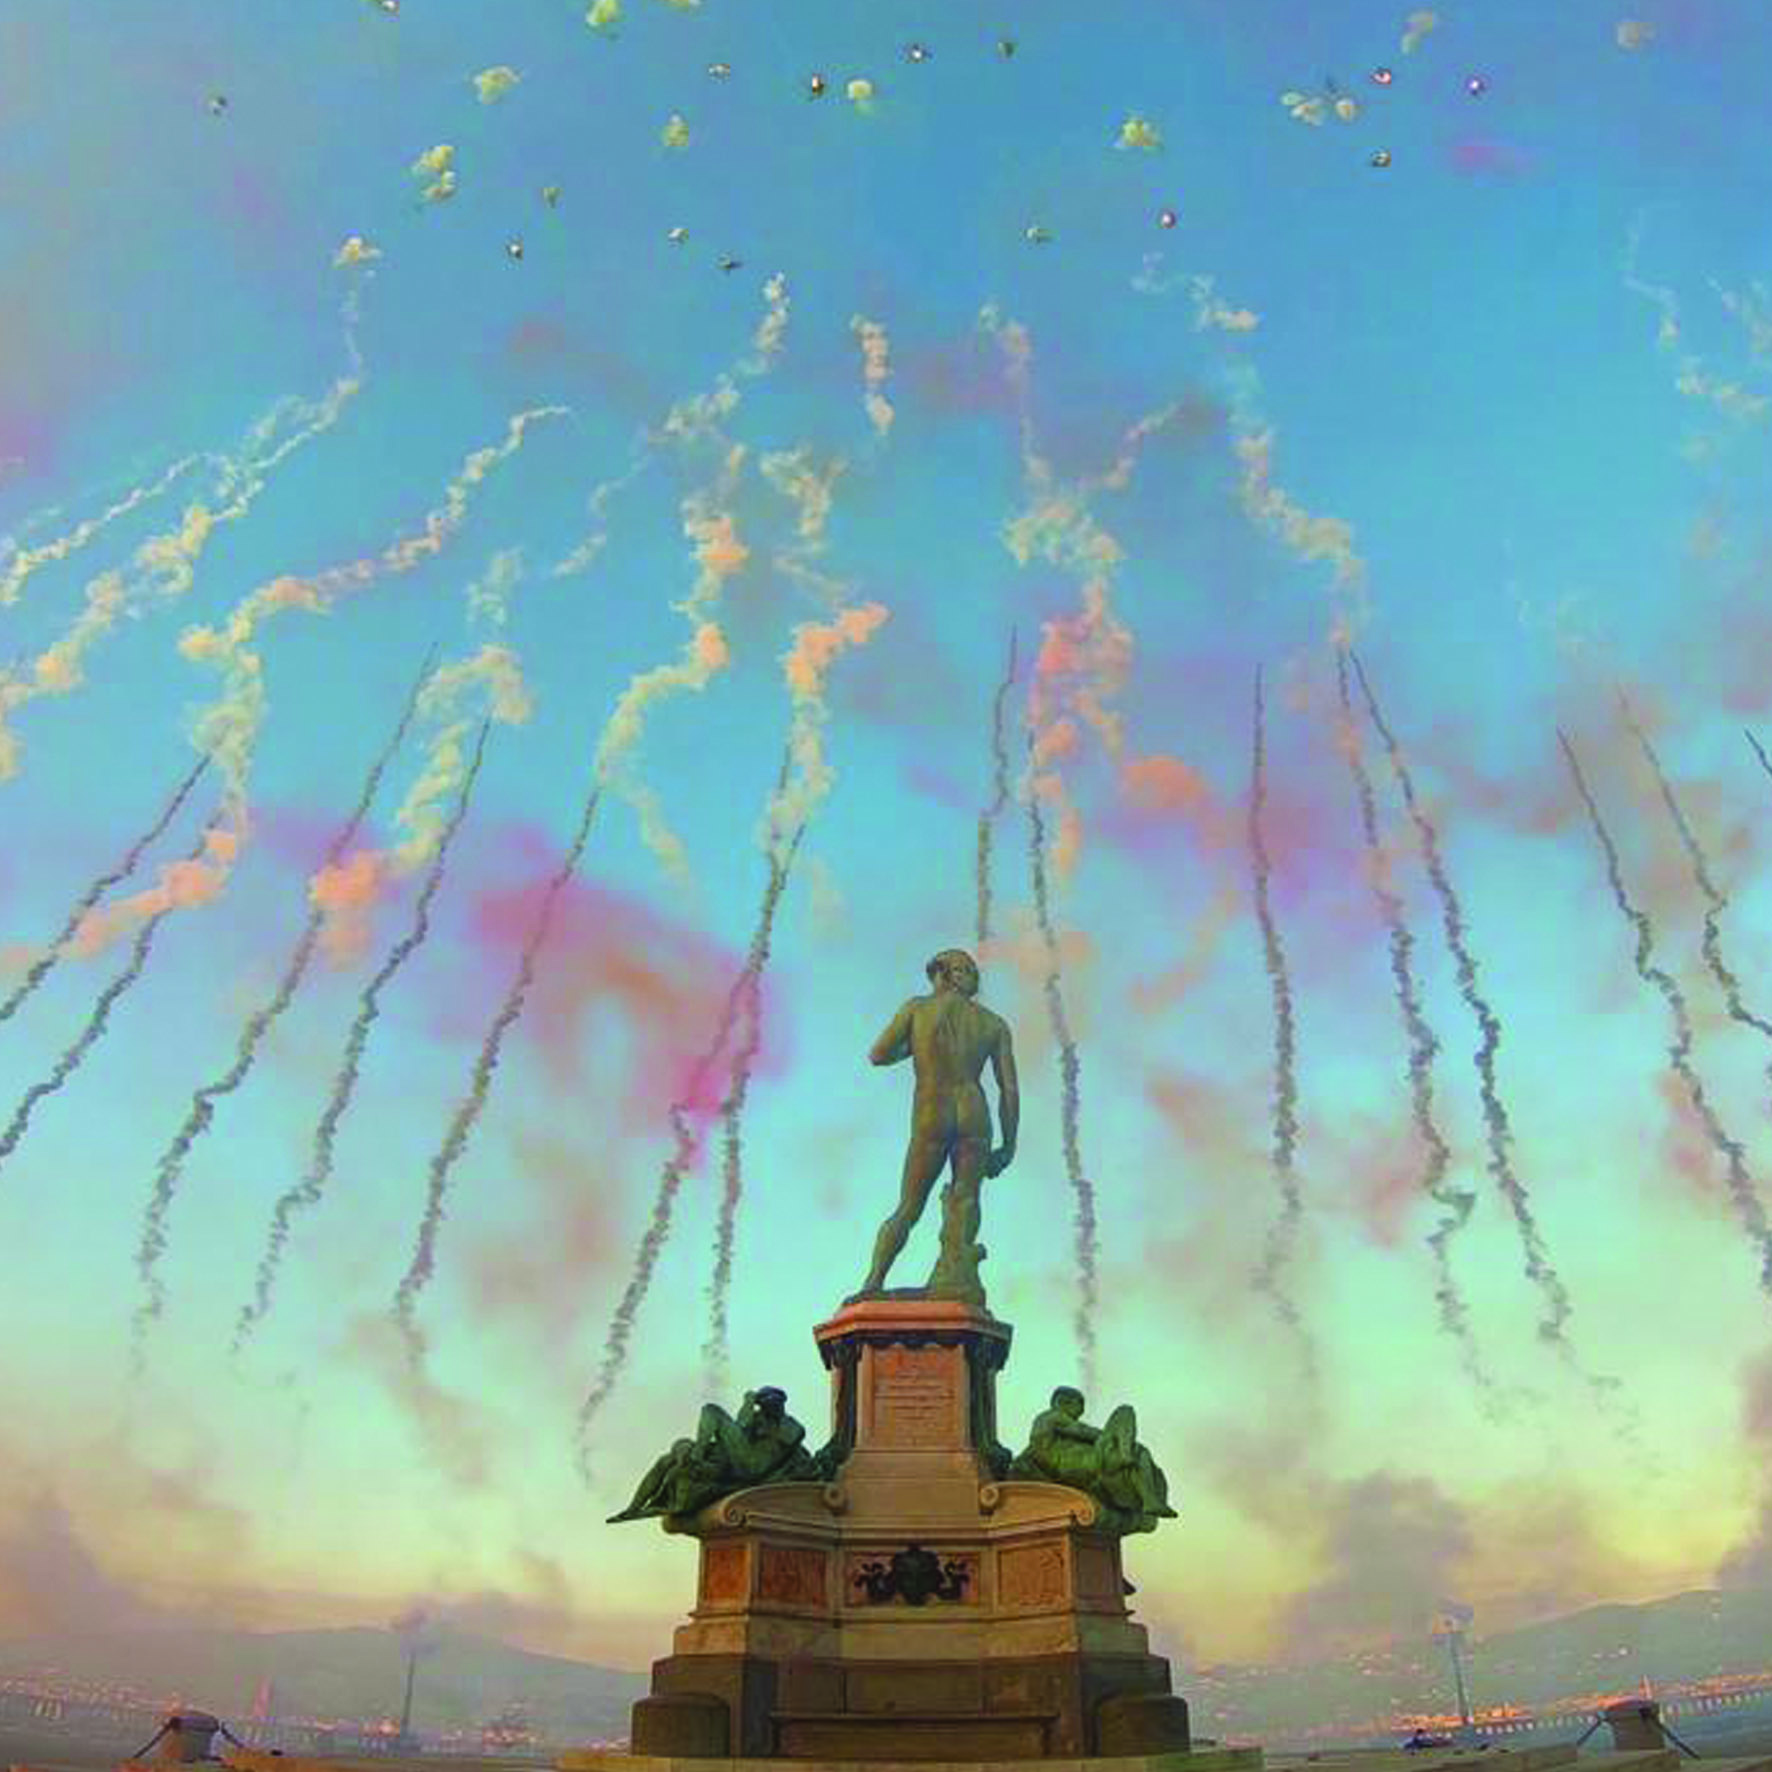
1139,132
604,15
1633,33
675,133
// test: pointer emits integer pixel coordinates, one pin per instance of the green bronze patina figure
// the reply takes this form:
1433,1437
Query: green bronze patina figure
1106,1463
761,1444
949,1038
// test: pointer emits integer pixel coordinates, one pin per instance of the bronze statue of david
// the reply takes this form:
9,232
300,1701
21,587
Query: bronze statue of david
949,1038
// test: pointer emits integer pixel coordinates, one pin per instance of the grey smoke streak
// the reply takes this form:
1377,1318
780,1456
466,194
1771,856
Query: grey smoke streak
1423,1046
987,819
308,1191
45,963
89,1035
1070,1106
1282,1236
1715,900
424,1255
1742,1189
1552,1326
685,1145
716,1350
1759,751
202,1110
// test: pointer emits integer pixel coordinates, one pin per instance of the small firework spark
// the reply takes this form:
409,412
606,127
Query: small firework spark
816,86
1167,218
1381,158
513,248
1476,86
1382,76
916,52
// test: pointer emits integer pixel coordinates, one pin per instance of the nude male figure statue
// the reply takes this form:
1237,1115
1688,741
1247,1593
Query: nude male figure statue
949,1039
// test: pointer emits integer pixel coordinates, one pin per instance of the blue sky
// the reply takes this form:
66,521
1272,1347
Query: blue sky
1497,407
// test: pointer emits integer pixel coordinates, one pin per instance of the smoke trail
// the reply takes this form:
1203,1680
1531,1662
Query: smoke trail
716,1350
165,564
89,1036
346,894
1084,659
1423,1046
1715,900
685,1146
26,561
1765,761
424,1255
987,818
1088,1289
1499,1132
45,964
709,523
308,1191
695,417
876,367
1742,1189
1282,1237
202,1110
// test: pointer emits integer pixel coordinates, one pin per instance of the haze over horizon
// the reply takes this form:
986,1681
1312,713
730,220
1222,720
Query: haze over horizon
417,412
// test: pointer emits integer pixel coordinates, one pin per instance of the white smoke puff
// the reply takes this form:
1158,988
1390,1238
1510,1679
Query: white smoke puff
355,251
491,84
437,167
1415,27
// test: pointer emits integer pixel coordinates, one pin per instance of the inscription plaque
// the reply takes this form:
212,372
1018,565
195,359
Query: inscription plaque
915,1397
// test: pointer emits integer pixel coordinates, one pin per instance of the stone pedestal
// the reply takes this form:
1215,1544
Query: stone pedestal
919,1608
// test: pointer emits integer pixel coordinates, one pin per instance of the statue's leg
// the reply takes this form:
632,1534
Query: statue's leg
923,1162
956,1268
716,1433
647,1493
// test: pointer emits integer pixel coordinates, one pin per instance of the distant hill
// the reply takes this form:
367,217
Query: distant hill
1599,1650
344,1674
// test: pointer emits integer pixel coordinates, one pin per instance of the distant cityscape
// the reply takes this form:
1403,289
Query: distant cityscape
1703,1656
55,1702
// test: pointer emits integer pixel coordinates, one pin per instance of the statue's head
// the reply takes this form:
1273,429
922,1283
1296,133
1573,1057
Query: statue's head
956,968
772,1401
1067,1400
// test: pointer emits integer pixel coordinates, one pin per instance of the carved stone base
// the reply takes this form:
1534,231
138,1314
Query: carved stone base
919,1608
